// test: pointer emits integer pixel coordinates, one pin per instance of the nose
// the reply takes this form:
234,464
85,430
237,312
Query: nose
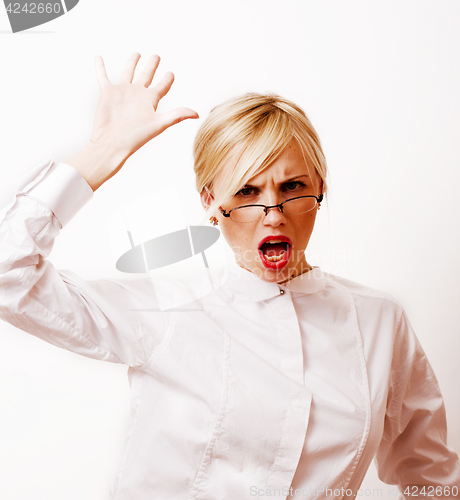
274,217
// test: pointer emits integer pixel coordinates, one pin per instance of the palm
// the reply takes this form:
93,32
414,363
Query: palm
126,116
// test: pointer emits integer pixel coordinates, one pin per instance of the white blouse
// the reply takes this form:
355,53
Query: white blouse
255,390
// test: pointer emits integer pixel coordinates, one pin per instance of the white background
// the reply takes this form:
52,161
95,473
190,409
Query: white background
380,81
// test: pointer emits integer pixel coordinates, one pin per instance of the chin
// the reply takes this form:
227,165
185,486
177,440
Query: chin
272,275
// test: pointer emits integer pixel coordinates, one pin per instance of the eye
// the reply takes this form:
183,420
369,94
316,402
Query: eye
293,185
246,191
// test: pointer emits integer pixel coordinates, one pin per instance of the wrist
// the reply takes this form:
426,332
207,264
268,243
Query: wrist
97,163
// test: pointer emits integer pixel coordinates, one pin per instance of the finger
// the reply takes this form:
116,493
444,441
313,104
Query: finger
149,70
163,86
130,66
176,116
101,74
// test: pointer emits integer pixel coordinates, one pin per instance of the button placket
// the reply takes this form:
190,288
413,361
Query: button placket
290,341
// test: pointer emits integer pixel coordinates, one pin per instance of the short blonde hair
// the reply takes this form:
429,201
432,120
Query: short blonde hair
244,135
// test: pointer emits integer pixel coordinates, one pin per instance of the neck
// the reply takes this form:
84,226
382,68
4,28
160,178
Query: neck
297,272
304,267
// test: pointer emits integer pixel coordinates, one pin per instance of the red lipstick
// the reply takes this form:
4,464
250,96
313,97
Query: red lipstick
274,251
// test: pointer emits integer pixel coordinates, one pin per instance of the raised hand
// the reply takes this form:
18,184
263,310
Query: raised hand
125,119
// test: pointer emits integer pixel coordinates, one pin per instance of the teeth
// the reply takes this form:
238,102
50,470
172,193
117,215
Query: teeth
272,242
275,258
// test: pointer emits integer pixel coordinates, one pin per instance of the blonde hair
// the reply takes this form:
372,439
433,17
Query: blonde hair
244,135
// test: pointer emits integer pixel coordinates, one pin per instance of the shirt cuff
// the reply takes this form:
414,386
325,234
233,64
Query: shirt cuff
59,186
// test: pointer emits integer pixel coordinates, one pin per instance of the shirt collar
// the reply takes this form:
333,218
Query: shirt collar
255,289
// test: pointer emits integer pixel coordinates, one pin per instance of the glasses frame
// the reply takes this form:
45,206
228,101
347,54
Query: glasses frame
266,208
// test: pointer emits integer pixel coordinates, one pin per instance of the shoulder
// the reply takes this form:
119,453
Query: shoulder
379,316
359,289
368,300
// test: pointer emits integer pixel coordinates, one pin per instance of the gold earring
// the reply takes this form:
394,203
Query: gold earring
319,206
213,220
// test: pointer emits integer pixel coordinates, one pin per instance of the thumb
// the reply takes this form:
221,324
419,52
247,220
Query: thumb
176,116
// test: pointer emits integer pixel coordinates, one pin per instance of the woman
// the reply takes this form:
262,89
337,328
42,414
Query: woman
283,382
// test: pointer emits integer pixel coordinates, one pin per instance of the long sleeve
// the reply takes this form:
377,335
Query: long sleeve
93,318
413,452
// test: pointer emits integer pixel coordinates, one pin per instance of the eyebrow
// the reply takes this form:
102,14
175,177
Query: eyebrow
284,182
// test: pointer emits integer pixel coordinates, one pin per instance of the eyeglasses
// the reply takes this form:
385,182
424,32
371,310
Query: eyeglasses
251,213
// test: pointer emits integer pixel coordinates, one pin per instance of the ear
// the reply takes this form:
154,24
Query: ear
206,198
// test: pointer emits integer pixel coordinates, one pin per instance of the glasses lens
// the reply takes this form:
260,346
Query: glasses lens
247,214
299,205
295,206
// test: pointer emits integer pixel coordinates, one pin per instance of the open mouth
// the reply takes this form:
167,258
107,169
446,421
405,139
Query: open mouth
275,252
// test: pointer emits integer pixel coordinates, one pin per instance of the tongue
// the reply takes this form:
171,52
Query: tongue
273,249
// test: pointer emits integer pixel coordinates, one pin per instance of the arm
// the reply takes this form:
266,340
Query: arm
413,452
91,318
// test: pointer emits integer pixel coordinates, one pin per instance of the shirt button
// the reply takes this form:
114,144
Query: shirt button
281,292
